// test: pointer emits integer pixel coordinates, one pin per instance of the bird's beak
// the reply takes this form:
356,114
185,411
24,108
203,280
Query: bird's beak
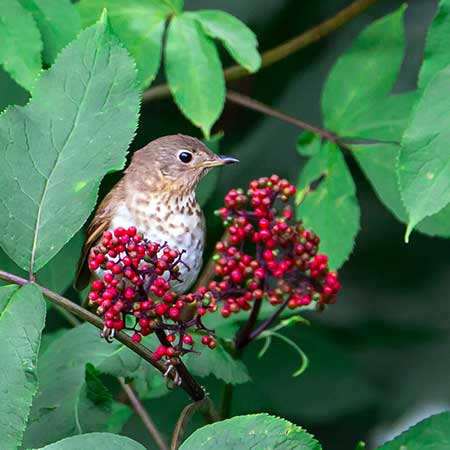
219,160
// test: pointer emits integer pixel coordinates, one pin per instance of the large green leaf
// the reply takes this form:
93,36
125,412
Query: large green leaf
95,441
56,149
218,362
437,54
194,72
331,208
432,433
20,50
58,22
378,162
65,404
140,26
58,274
256,431
236,37
22,318
424,159
366,72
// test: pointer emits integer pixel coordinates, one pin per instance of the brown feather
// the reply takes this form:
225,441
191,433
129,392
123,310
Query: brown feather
95,230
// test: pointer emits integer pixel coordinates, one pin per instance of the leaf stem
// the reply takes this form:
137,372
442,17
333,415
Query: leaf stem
255,105
283,50
227,397
143,414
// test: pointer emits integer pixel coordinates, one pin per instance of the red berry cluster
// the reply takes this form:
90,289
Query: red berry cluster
134,292
267,253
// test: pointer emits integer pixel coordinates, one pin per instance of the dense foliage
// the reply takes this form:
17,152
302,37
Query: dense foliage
74,78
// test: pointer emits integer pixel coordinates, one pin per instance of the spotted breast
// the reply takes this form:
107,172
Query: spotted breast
179,221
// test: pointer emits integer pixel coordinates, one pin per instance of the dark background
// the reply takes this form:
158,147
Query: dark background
379,358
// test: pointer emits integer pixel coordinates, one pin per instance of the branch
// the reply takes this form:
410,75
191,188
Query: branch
255,105
243,337
283,50
66,304
143,414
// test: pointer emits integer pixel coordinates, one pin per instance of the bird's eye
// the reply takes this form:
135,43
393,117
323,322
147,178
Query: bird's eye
185,157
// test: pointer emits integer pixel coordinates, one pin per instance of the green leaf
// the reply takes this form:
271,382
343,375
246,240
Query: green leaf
308,144
176,5
56,149
58,274
120,415
424,159
194,72
330,209
236,37
255,431
66,404
378,162
432,433
139,24
20,51
58,22
436,56
218,362
12,93
22,319
365,72
95,441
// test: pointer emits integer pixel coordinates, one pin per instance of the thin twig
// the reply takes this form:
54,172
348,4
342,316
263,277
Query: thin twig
255,105
185,417
143,414
283,50
266,324
242,337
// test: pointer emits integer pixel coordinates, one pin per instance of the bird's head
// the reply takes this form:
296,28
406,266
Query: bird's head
177,162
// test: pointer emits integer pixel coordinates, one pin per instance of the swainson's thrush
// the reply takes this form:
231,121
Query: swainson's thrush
157,196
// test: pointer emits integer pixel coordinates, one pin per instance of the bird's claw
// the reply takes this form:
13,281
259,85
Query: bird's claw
108,334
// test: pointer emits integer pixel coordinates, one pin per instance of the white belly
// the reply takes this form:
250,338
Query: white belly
180,231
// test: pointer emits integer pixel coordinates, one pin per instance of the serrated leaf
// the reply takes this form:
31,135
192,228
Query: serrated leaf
255,431
331,210
95,441
436,55
194,72
424,159
22,319
139,24
308,144
56,149
236,37
59,411
432,433
20,51
365,72
378,162
58,22
58,274
218,362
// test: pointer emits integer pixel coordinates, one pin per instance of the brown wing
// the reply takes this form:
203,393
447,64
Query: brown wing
96,228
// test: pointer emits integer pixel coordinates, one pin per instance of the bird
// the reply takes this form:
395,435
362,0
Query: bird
157,196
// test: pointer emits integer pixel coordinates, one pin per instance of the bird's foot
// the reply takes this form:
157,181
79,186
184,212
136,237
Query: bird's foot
108,334
176,380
